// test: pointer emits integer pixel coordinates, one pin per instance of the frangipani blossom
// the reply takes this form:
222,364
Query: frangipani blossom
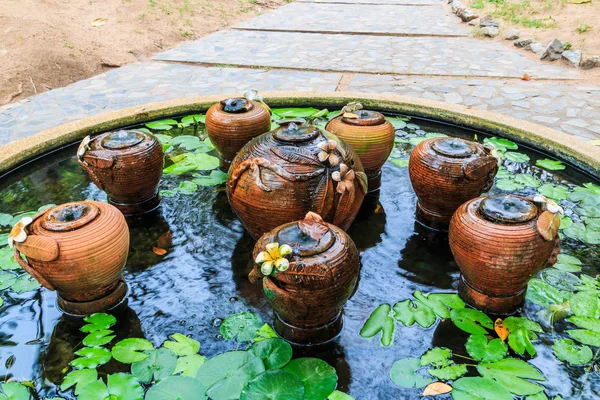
495,153
254,95
83,147
345,178
274,256
327,152
548,204
18,233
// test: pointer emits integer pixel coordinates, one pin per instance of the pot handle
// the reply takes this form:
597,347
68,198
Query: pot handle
30,269
283,299
481,167
96,159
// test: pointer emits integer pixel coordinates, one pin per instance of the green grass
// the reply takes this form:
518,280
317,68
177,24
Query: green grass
583,28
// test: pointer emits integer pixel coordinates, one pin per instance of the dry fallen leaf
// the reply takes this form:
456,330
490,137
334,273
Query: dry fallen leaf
165,240
313,225
526,77
99,22
436,388
158,251
350,115
500,329
594,142
547,225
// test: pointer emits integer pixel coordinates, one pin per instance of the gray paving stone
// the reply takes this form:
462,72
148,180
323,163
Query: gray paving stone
401,2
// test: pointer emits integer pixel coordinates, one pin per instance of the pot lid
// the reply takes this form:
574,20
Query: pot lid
122,139
70,216
365,118
308,237
237,105
454,147
507,209
297,130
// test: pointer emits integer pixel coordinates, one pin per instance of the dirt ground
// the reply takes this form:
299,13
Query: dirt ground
47,44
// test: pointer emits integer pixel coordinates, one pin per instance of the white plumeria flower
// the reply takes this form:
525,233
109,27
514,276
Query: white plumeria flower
83,147
548,204
495,153
17,233
327,152
274,256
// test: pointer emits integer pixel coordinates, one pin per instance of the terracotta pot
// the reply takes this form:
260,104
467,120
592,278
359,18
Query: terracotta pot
127,165
232,123
321,275
445,172
280,176
78,249
499,243
372,138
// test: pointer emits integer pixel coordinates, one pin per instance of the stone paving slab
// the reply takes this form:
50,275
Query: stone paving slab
359,19
573,109
356,53
142,83
401,2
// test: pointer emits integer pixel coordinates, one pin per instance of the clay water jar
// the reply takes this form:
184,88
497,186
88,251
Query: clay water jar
372,138
127,165
499,243
323,271
78,249
232,123
280,176
444,173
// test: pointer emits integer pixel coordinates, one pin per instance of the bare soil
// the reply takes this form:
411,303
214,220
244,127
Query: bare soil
47,44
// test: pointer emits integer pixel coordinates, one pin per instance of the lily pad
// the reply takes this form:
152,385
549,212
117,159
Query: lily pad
162,125
436,357
508,185
15,391
516,157
275,353
584,304
7,279
448,373
319,378
586,336
119,386
551,165
98,322
380,320
501,144
189,365
471,321
294,112
25,283
476,388
91,357
274,384
215,178
480,349
409,312
539,292
131,350
511,373
567,350
567,263
241,326
528,180
158,365
182,345
177,388
79,379
404,373
560,279
98,338
553,192
194,119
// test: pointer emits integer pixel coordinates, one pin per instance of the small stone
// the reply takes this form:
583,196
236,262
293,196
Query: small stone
553,51
457,5
513,34
473,23
537,48
489,22
467,15
572,57
589,63
491,31
523,42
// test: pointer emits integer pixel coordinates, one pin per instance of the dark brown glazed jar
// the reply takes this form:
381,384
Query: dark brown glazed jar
372,138
280,176
308,270
233,122
445,172
127,165
499,243
78,249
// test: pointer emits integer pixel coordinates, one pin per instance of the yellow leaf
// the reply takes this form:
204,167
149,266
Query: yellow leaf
500,329
436,388
594,142
99,22
350,115
578,1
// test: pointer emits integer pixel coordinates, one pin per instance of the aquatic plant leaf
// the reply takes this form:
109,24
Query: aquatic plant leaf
215,178
119,386
187,187
182,345
450,300
177,388
397,122
592,224
165,140
337,395
560,279
20,216
168,193
380,320
404,373
476,388
193,162
567,350
400,162
274,384
539,292
194,119
162,125
551,165
584,304
79,379
480,349
471,321
225,375
516,157
585,336
91,357
241,326
7,279
501,144
158,365
436,306
520,341
508,185
98,338
514,323
5,219
319,378
294,112
565,222
98,322
189,365
590,323
275,353
131,350
187,142
567,263
449,373
579,231
554,192
527,180
436,357
511,373
15,391
25,283
265,332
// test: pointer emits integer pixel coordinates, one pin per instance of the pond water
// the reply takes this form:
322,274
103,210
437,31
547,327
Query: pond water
203,277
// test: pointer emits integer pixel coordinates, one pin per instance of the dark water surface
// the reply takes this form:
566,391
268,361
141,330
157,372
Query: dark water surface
203,279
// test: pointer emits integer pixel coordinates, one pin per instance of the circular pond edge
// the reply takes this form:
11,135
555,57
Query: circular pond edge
558,144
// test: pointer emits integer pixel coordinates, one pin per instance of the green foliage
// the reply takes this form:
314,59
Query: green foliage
555,193
480,349
193,162
567,350
275,384
509,185
119,386
177,388
582,28
319,378
528,180
162,125
274,353
404,373
382,321
79,379
511,373
98,322
131,350
471,321
158,365
98,338
501,144
182,345
436,357
567,263
476,388
241,326
14,391
551,165
516,157
91,357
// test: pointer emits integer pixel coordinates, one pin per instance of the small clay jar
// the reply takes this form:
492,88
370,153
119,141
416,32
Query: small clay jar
308,284
280,176
444,173
127,165
78,249
499,243
372,138
233,122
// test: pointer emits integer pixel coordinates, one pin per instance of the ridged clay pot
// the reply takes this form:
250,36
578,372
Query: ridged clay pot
308,284
233,122
127,165
444,173
78,249
280,176
499,243
372,138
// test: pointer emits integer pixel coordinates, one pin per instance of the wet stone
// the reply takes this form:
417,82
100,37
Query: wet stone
553,51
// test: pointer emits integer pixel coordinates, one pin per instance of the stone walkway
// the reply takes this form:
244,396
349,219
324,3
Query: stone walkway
415,48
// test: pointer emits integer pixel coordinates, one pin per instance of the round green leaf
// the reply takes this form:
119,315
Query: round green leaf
319,378
555,193
275,353
511,373
551,165
25,283
436,357
91,357
480,349
471,321
15,391
182,345
130,350
80,378
560,279
528,180
274,384
567,350
242,326
158,365
584,304
6,280
177,388
509,185
187,187
189,365
404,373
479,389
98,338
98,322
449,372
120,387
516,157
